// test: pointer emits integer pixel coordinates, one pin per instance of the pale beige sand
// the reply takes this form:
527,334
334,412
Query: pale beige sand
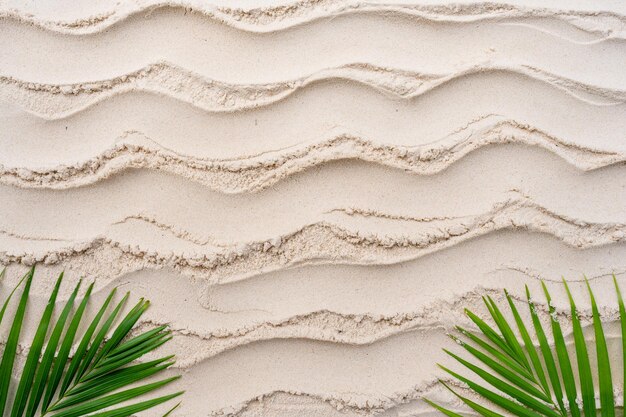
311,193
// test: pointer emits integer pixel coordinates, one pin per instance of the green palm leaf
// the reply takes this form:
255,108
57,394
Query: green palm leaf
622,318
527,380
582,357
84,345
546,353
607,401
28,373
102,378
508,334
62,355
534,403
495,353
498,399
10,349
567,375
445,411
6,302
511,376
530,348
473,405
48,357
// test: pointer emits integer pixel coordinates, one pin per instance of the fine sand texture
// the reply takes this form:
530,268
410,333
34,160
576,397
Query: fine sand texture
310,193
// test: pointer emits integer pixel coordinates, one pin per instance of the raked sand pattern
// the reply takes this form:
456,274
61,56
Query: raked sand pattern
310,193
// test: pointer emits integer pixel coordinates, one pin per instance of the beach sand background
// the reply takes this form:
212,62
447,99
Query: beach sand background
311,193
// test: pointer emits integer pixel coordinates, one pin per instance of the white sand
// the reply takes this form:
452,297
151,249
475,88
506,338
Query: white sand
310,193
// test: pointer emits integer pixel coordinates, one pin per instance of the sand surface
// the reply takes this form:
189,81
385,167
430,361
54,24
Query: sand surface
310,193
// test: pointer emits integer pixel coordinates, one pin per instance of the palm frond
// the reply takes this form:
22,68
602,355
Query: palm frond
527,380
567,374
622,317
546,353
582,357
607,401
28,373
102,378
6,302
530,348
10,349
473,405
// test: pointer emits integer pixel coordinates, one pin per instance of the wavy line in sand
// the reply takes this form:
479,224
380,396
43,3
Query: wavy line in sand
269,19
202,331
357,404
197,344
258,172
326,326
363,401
288,124
516,257
282,404
319,242
351,405
53,101
408,403
405,349
356,329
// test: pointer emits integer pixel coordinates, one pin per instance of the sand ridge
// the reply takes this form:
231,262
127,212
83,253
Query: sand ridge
257,16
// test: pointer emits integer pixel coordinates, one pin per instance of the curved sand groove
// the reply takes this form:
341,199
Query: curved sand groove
386,243
392,367
194,342
351,195
374,301
192,346
209,326
282,404
514,259
94,18
436,122
566,49
207,333
259,172
51,101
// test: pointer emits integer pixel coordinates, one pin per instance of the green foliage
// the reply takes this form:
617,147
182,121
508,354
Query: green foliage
532,381
102,378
